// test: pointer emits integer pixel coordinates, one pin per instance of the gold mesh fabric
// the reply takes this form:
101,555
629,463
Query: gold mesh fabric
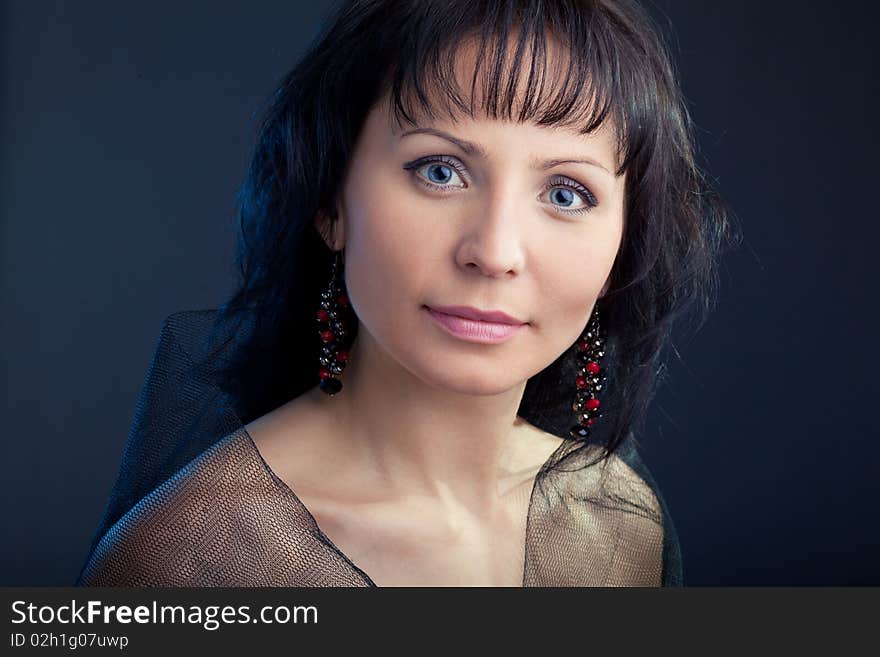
225,519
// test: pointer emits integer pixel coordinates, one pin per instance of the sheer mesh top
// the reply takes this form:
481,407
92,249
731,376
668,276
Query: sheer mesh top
195,504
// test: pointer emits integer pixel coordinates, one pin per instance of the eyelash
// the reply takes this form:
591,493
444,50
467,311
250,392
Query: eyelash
587,196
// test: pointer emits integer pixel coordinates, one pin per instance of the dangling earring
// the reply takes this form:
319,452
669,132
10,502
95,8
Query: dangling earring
590,377
332,319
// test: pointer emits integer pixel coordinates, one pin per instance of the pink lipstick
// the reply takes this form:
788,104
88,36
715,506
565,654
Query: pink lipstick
477,330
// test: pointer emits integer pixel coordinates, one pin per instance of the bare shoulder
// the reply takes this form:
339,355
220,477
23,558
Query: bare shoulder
182,531
292,438
536,447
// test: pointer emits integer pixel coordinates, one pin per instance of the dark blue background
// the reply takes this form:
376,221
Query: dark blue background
126,129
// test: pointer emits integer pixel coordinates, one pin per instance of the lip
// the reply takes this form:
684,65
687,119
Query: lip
474,330
494,316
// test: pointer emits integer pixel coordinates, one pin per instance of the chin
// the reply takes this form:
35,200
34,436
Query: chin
488,382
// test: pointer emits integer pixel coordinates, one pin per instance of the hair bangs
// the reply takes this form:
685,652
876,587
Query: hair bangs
494,59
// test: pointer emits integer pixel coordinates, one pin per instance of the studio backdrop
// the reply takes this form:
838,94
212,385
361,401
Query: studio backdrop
126,131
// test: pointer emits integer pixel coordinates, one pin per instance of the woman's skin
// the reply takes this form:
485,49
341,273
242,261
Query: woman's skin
420,470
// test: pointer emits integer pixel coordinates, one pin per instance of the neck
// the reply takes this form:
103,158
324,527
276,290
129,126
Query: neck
410,437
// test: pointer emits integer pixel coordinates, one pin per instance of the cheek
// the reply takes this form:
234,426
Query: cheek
385,254
572,273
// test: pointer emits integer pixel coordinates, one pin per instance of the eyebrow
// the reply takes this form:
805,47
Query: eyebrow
475,149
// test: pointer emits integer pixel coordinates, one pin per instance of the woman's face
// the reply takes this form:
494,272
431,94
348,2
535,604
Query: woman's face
476,213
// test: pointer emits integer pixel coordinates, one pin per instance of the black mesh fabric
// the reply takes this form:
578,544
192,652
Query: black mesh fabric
195,503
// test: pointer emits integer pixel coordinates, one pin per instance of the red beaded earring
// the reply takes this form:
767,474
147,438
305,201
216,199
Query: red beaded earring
333,316
590,377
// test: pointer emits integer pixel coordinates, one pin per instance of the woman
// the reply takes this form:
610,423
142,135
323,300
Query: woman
465,233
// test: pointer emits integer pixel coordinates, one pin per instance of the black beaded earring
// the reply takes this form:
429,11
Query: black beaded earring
333,316
590,377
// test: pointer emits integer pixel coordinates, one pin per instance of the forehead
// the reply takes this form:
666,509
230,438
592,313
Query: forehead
532,89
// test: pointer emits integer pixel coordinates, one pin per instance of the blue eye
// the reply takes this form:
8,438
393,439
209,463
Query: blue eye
439,170
566,191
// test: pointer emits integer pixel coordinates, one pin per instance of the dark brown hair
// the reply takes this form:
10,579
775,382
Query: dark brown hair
618,67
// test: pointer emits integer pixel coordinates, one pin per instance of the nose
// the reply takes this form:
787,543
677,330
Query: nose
493,242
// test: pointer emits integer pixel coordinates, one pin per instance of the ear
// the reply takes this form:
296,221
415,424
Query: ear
331,231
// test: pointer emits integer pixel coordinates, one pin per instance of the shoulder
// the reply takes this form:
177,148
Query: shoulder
299,442
614,516
186,531
620,478
638,525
